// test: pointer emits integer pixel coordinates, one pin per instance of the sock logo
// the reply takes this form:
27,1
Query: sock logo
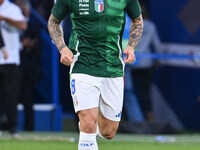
86,144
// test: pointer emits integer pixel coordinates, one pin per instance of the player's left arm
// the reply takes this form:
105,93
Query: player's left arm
136,30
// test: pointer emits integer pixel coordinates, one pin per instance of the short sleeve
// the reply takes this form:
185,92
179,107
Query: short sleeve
60,9
13,9
18,14
133,9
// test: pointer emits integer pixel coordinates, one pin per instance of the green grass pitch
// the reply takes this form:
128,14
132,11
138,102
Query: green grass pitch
68,141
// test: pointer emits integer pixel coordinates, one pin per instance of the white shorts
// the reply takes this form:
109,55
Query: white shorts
105,93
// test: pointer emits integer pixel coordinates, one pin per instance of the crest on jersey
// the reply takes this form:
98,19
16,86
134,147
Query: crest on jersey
99,5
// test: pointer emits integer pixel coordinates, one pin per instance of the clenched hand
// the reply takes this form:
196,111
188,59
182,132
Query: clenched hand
66,56
129,51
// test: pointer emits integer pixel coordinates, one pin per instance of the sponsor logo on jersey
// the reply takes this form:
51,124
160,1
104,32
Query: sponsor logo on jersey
99,5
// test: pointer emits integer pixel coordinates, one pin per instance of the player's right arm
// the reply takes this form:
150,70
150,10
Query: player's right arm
134,11
135,32
56,33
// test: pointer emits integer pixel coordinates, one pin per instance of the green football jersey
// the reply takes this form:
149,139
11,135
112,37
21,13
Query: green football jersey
97,29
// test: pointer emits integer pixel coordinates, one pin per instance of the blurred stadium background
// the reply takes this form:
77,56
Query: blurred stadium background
175,90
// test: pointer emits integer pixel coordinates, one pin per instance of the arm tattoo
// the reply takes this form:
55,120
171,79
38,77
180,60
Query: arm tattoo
56,32
136,30
61,47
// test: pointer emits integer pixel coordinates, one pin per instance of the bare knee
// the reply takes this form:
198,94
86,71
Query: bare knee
109,136
108,133
88,121
88,126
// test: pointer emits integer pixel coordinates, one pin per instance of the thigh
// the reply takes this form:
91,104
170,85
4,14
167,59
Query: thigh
84,91
111,100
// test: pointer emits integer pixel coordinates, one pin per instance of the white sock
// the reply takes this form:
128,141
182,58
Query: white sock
98,132
87,141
